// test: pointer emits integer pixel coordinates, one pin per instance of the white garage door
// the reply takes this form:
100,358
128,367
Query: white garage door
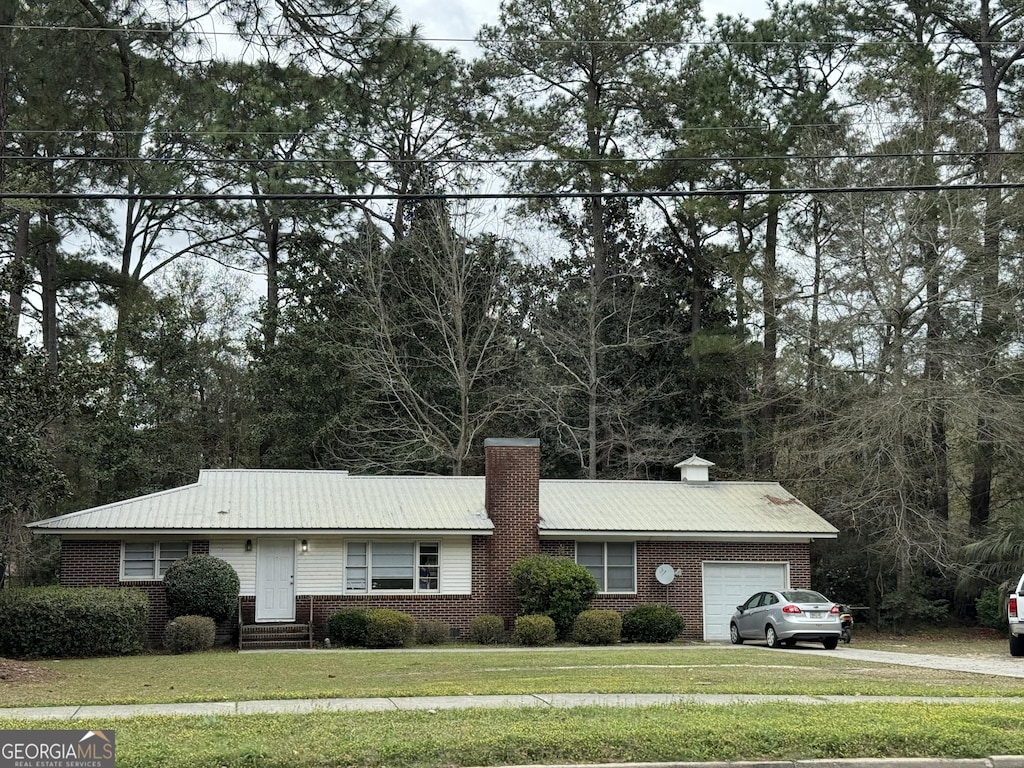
726,585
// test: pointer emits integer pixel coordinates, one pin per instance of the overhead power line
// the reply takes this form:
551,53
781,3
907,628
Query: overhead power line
678,131
696,159
352,197
168,29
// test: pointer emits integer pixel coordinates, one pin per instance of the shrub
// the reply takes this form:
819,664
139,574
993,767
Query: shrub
534,630
432,632
201,585
487,629
652,623
389,629
597,627
991,608
348,627
63,621
187,634
553,586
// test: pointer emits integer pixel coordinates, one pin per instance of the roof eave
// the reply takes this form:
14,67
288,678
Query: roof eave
306,532
745,536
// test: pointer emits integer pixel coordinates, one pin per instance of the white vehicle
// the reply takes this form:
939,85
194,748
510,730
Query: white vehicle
1015,612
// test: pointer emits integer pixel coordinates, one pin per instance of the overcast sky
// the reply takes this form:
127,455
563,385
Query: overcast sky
461,19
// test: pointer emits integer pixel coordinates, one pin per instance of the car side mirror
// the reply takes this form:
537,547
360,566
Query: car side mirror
740,608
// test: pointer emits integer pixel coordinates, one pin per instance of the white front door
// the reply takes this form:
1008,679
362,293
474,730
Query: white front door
275,580
727,585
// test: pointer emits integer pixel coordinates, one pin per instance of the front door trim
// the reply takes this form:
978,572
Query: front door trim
275,580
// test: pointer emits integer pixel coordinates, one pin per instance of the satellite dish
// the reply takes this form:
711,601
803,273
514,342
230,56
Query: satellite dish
665,573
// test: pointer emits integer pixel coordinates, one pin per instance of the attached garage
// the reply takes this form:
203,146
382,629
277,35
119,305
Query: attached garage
306,543
728,584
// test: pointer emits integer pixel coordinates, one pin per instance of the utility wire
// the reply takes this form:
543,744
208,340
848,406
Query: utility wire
682,130
510,161
349,197
169,29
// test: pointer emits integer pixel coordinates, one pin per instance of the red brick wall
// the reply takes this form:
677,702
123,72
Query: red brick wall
513,504
97,563
684,594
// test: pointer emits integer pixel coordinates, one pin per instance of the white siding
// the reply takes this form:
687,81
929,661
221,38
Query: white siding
456,566
233,551
318,570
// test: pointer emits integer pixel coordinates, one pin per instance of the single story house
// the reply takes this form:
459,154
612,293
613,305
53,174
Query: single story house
308,543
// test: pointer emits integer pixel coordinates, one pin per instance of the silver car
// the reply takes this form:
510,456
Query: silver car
783,618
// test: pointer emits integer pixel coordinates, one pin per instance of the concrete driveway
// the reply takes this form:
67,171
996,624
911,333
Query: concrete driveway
982,664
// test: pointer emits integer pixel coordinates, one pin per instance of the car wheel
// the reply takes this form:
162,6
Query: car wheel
830,643
770,637
734,635
1017,645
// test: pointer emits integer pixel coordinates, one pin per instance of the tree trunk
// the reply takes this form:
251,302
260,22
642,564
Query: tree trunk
48,290
769,308
933,367
814,331
19,273
597,276
743,250
989,330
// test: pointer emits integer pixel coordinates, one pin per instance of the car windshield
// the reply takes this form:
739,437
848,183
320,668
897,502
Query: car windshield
804,596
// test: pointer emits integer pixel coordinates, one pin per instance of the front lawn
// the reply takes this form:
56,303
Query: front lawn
486,737
229,676
592,734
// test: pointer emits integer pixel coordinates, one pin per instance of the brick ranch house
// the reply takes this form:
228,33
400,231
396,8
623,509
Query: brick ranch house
308,543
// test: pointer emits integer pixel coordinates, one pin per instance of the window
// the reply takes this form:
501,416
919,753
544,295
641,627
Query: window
388,566
150,559
612,564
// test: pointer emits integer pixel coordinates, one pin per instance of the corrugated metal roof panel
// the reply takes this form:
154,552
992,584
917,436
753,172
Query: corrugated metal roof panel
254,500
294,500
662,507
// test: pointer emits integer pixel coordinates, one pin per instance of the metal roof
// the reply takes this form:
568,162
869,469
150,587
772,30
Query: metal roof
667,507
293,500
314,500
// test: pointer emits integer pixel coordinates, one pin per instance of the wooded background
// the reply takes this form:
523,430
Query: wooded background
790,245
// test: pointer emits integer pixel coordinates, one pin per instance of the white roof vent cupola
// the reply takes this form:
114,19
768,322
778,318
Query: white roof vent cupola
694,469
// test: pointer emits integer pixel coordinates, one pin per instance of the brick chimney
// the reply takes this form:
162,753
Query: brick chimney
512,499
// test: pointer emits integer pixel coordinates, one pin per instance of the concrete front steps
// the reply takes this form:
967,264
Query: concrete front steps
265,636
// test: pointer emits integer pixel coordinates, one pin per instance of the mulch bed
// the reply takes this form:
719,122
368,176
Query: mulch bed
14,671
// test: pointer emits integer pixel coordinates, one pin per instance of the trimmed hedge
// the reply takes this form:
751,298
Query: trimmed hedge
389,629
54,622
597,627
534,630
187,634
201,585
487,629
432,632
652,623
348,627
554,586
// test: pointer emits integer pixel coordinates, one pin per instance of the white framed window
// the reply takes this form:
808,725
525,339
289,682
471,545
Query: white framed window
392,566
611,563
149,560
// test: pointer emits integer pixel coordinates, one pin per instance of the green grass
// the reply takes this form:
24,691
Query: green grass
593,734
228,676
486,737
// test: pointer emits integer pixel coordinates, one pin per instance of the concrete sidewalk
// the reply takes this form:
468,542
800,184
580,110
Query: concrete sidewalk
994,761
435,703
